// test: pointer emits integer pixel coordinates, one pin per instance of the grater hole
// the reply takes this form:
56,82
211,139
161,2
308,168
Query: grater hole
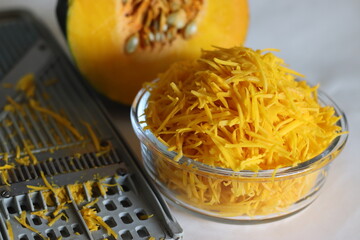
27,222
143,232
64,232
111,222
96,207
57,167
125,188
12,176
18,174
51,167
64,218
125,203
96,191
51,196
126,218
36,205
141,214
110,238
126,235
23,237
23,207
77,229
111,191
38,237
51,235
36,220
32,172
110,205
11,210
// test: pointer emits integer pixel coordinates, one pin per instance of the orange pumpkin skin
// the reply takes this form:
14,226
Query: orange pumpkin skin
98,34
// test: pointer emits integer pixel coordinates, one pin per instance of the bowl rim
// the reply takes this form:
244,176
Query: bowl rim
311,165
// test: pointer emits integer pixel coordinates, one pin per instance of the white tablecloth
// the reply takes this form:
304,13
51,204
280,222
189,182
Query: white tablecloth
321,39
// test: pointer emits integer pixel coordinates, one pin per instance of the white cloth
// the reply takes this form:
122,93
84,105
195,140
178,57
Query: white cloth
321,39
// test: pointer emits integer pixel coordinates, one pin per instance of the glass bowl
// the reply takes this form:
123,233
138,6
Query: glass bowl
223,194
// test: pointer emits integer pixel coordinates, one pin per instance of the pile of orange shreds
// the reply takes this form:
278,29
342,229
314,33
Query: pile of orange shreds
241,109
94,221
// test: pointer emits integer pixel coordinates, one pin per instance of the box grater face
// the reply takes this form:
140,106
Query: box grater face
64,148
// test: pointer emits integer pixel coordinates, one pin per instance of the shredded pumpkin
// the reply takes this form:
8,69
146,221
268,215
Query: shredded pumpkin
22,221
239,109
10,230
94,221
51,191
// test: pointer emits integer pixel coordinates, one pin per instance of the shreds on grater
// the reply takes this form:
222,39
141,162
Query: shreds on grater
66,173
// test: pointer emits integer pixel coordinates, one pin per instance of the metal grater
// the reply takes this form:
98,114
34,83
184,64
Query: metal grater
27,47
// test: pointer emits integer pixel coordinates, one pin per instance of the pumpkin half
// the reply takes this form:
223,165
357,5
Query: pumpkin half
119,44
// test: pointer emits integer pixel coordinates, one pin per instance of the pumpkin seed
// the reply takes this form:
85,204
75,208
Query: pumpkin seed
165,28
177,19
132,43
151,37
190,29
163,21
159,37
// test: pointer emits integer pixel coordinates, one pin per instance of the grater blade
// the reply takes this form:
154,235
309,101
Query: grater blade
64,157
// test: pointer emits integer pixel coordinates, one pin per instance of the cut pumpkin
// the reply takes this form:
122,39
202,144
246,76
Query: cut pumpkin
119,44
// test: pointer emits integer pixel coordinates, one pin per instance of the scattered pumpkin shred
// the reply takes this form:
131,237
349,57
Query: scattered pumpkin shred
4,173
10,230
42,214
27,85
47,184
22,221
16,105
52,193
94,221
93,136
56,218
239,109
102,188
61,120
6,167
31,155
5,177
145,217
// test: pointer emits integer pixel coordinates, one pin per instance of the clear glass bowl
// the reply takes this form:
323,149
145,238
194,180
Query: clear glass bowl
224,194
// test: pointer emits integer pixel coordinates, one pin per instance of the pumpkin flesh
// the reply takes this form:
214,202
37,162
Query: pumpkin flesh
98,34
